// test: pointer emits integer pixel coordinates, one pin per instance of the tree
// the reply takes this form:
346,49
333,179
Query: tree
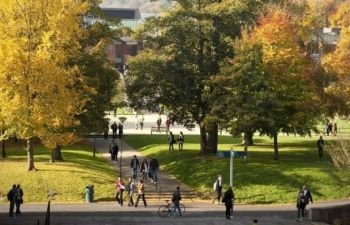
37,39
176,70
293,104
242,90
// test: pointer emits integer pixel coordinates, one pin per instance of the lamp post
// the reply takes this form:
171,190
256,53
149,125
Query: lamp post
121,132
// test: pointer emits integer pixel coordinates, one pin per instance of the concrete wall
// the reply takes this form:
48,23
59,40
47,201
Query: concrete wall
328,214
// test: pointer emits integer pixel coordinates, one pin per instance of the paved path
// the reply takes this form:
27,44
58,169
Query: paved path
167,183
110,213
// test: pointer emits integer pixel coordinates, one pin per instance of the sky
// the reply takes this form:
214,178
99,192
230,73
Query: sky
145,6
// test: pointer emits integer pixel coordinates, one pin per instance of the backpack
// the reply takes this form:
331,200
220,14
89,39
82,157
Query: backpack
9,196
301,199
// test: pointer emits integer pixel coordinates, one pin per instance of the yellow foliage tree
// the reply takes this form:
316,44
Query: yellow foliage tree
37,95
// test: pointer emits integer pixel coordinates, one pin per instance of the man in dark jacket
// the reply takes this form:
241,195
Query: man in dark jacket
11,197
114,149
228,200
308,196
176,200
19,199
135,165
320,145
154,167
114,128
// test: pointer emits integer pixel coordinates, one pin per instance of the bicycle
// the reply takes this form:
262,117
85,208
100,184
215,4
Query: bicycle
169,209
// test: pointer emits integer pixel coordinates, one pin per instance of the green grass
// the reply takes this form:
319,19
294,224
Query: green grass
67,178
260,181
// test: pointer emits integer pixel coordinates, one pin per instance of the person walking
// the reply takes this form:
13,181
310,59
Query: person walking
114,128
228,200
131,190
144,169
159,122
11,197
135,165
154,167
19,199
167,123
119,186
217,189
142,120
141,193
171,141
301,204
320,145
176,200
308,196
120,128
180,140
113,150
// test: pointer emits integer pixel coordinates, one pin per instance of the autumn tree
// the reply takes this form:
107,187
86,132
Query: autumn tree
294,108
184,48
37,94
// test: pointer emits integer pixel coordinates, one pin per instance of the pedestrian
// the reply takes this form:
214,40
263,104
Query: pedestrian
136,122
308,196
320,145
167,123
171,141
141,193
228,200
135,165
180,140
119,186
159,122
144,169
113,150
154,167
176,200
120,128
19,199
131,190
217,189
330,129
301,204
114,128
335,128
11,197
142,120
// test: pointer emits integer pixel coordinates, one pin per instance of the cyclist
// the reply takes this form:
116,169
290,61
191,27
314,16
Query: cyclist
176,200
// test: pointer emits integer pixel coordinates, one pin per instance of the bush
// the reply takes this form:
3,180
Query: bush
340,153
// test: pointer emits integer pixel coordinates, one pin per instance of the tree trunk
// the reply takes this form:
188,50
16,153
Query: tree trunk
52,156
275,145
30,154
248,138
203,138
58,153
212,145
246,142
3,151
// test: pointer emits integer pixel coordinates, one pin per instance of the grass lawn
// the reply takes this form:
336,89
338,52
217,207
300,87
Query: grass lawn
260,181
67,178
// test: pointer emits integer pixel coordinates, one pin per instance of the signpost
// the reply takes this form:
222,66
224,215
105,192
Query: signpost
231,154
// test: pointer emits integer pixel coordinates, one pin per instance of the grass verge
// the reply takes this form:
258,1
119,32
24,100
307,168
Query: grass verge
262,180
68,178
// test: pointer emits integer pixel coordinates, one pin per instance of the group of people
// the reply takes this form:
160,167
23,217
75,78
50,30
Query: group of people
303,199
131,188
15,197
331,128
172,141
117,128
148,170
139,122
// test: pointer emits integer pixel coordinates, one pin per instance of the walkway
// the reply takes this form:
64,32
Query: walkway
166,184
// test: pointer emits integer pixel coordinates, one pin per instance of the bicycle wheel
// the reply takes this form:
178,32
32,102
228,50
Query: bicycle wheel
182,210
163,211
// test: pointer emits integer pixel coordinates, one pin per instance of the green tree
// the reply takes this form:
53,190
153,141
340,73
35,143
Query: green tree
242,90
184,48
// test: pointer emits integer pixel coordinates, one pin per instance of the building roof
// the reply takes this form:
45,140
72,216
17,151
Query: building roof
122,13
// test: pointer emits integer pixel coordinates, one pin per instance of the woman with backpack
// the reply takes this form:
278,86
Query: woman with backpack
301,204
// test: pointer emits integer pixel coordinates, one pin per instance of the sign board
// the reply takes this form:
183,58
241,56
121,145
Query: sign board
240,154
223,154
